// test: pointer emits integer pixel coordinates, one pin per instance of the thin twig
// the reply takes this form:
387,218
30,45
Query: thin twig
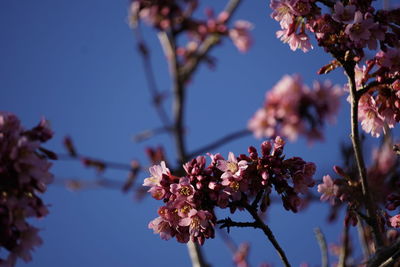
106,164
267,231
76,184
142,136
227,223
323,247
223,140
150,77
355,138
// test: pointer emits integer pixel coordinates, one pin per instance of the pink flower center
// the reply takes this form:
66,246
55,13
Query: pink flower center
195,223
185,191
301,7
357,28
232,167
185,209
234,185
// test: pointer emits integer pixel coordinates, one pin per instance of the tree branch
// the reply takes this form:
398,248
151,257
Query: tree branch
355,138
169,44
267,231
385,256
369,86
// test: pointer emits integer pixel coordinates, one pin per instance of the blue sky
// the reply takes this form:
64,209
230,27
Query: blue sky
75,63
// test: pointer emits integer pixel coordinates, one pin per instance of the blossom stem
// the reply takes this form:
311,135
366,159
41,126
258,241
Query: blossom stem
267,231
355,138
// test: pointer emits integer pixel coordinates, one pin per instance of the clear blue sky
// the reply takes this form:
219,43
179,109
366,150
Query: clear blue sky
75,63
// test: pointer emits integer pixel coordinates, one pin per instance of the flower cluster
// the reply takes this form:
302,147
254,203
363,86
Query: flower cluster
225,183
177,16
383,180
292,109
380,105
345,31
292,16
24,172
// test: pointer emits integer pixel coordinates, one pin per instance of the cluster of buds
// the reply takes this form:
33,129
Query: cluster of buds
176,16
24,173
346,31
225,183
291,109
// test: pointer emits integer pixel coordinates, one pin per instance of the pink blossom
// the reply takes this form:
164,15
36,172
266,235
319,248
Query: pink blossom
156,172
154,182
261,124
162,227
384,158
182,190
300,7
327,189
389,59
292,109
359,30
240,35
344,14
395,221
371,121
231,167
241,254
200,225
281,12
326,99
294,40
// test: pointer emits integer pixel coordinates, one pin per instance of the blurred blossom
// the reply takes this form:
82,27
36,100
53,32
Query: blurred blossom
24,173
292,109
